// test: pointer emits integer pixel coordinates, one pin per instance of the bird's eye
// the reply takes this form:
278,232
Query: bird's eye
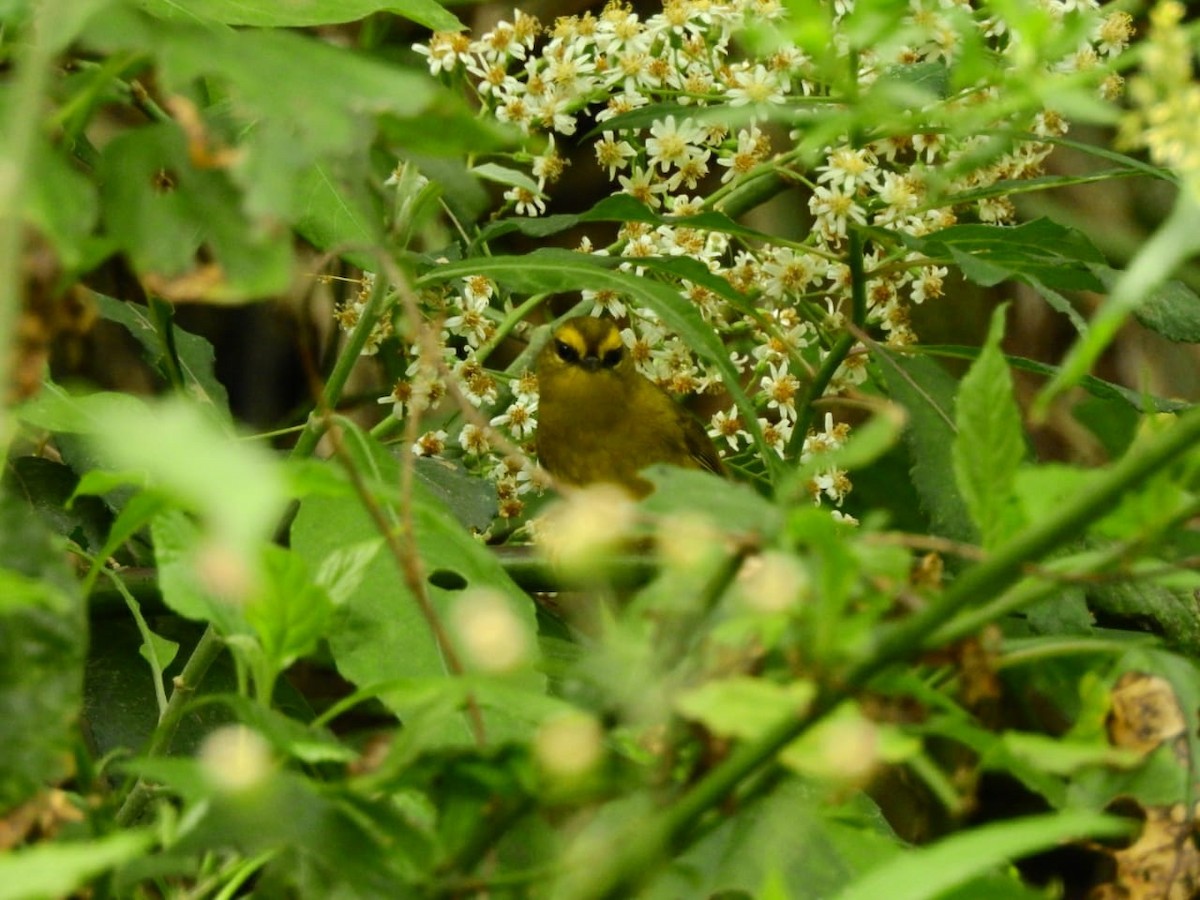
612,358
566,352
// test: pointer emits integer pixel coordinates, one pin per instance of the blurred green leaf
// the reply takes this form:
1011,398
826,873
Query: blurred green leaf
926,872
732,507
815,846
744,707
63,205
54,870
161,211
43,639
302,13
1173,310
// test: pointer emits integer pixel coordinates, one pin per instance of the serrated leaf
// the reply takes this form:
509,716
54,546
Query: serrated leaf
926,391
197,359
289,613
1038,252
990,444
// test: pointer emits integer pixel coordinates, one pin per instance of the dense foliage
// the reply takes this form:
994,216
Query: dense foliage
909,649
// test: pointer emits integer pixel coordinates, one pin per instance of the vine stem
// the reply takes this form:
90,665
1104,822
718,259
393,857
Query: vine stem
184,685
841,347
346,361
635,853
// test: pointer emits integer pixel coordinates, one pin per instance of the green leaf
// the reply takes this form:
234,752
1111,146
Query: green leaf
197,359
158,651
338,215
303,13
733,507
839,841
927,872
503,175
616,208
1041,253
289,615
378,633
1097,387
1174,241
62,204
990,444
237,486
330,90
1173,311
55,410
58,870
177,542
472,500
160,210
926,391
43,639
553,270
744,707
1171,612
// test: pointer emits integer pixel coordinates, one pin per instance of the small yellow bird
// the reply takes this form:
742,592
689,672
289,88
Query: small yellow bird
600,420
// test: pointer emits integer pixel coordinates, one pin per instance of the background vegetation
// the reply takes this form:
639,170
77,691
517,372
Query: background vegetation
286,607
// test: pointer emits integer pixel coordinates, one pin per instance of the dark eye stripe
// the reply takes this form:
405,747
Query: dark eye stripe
566,352
612,358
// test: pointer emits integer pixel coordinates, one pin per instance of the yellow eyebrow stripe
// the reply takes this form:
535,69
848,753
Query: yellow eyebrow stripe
611,341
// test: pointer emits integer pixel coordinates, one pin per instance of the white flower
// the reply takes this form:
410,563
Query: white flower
833,209
446,50
527,202
474,440
790,273
781,387
613,154
727,426
848,167
520,419
431,443
672,145
756,86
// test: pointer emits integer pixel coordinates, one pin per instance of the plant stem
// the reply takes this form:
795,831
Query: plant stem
634,854
185,684
346,361
840,349
1005,566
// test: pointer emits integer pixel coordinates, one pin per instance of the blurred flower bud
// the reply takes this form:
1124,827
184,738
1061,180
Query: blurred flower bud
492,636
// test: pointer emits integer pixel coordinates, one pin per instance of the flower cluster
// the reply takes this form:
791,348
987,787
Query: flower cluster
1166,118
684,124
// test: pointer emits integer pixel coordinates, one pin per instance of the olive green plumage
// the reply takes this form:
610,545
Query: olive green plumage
599,419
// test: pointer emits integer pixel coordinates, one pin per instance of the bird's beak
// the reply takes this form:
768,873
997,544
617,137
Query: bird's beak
590,363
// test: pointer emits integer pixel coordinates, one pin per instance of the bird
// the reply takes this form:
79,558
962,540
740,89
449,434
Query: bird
600,420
